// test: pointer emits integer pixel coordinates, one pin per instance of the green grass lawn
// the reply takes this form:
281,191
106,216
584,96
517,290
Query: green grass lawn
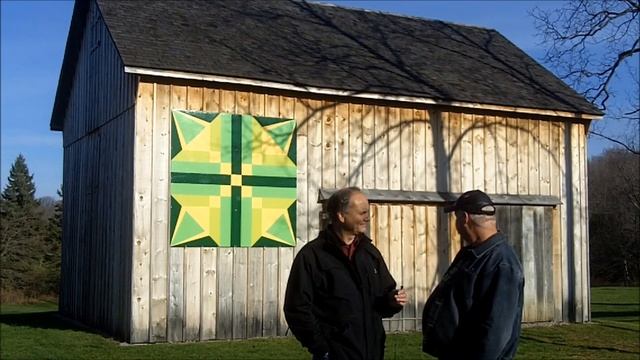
36,332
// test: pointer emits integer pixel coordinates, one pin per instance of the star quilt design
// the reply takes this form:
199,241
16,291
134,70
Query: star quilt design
233,180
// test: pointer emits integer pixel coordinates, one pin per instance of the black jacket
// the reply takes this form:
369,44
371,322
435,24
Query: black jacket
335,305
476,309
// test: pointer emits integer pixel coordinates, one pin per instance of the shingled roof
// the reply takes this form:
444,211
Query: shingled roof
323,46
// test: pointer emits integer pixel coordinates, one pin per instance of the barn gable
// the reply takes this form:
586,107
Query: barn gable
412,110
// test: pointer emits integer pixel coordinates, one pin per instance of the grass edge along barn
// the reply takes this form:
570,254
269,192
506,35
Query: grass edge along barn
201,137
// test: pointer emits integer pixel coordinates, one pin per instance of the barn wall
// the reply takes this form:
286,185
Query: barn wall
98,155
182,294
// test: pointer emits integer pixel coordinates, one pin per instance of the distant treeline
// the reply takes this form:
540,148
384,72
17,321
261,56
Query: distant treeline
31,234
614,218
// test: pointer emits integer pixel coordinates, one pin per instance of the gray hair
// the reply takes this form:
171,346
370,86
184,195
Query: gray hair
481,219
339,201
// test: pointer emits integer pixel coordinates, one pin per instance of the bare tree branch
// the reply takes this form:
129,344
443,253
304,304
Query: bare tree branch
588,43
627,147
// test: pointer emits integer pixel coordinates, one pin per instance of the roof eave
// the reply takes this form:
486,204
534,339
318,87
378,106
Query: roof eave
354,94
69,62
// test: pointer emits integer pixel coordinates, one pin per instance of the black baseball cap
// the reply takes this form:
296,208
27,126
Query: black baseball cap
473,202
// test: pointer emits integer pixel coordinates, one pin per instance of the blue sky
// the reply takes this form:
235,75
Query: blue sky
33,37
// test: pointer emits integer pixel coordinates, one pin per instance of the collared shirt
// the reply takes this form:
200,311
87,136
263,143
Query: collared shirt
350,249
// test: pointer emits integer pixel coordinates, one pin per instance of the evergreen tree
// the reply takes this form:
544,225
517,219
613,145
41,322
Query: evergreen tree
20,190
51,281
22,231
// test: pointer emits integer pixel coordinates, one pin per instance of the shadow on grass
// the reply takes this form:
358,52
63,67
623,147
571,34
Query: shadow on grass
614,304
44,320
580,347
610,314
608,325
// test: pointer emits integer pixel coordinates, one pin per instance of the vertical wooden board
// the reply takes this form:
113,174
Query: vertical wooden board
382,231
225,260
255,263
395,256
512,155
433,252
557,265
540,254
270,297
444,243
382,238
405,160
301,116
209,282
456,241
381,141
208,303
529,265
192,294
515,231
329,168
125,144
565,227
270,282
254,292
555,134
501,155
421,291
239,294
240,256
285,259
368,147
160,214
142,214
455,152
523,156
373,221
562,233
502,219
548,295
489,144
341,145
534,156
355,137
584,223
430,150
224,321
478,151
176,255
395,159
314,157
285,254
545,158
408,267
576,226
466,147
192,260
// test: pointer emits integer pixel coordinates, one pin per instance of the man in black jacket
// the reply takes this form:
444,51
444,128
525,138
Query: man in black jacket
476,309
339,288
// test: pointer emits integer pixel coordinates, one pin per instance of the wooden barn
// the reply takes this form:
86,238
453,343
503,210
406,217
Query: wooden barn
201,138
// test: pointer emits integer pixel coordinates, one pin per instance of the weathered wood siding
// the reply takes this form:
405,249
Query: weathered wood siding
97,186
197,294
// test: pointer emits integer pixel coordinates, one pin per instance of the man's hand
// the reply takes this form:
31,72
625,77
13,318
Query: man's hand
400,297
324,356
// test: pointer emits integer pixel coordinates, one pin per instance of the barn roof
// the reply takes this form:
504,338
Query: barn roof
322,46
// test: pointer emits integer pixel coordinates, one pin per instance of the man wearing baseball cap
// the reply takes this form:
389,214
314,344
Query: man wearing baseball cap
476,310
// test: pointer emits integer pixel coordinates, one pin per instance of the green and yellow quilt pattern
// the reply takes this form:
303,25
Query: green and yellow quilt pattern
233,180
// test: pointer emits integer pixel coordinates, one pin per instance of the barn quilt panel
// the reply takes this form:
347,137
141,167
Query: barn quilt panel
233,180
